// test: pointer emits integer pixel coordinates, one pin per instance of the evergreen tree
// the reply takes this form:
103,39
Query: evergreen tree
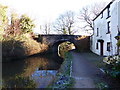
26,24
3,18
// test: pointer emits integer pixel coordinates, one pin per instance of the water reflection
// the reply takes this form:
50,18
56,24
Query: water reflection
40,62
42,69
43,77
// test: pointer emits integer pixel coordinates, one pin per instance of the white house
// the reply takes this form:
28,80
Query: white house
106,27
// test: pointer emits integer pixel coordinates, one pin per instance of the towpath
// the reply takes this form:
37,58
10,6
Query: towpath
85,73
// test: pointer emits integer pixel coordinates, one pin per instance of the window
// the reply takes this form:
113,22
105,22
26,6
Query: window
108,46
108,27
97,31
108,11
93,28
101,15
97,45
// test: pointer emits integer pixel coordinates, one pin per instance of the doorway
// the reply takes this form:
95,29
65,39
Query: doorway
101,47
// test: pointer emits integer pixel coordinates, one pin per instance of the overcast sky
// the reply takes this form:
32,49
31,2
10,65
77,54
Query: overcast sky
46,10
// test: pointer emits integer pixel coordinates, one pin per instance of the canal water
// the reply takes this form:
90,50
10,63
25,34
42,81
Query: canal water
41,69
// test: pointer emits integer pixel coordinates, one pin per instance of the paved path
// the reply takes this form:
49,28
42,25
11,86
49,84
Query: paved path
84,72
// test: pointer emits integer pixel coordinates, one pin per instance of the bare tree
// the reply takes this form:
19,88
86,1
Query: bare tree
14,27
96,8
88,13
65,22
47,28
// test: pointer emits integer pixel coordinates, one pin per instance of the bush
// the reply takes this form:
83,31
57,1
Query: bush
12,48
20,46
118,43
114,66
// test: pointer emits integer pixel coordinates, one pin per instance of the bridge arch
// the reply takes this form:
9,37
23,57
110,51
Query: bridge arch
52,41
55,45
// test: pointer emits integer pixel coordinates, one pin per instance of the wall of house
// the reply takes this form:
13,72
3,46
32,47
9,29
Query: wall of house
101,23
119,13
114,24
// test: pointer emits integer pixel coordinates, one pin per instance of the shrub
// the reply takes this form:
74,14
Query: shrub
114,64
20,46
118,43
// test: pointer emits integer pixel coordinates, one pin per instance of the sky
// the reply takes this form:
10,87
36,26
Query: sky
42,11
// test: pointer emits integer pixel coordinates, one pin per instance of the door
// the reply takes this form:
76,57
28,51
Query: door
101,48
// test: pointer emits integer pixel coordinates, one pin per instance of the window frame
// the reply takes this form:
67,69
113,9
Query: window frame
109,46
101,15
108,12
97,32
108,27
97,46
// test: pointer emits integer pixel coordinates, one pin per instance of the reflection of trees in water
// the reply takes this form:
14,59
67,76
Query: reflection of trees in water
10,69
65,47
18,82
31,64
26,67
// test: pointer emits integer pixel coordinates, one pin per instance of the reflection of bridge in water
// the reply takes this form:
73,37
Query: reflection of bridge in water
53,41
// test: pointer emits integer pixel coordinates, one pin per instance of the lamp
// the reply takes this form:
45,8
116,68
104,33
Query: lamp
118,36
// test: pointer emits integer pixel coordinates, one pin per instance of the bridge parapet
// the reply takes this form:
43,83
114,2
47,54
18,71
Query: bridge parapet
51,39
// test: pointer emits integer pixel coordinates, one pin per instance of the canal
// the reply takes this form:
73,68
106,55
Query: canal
40,69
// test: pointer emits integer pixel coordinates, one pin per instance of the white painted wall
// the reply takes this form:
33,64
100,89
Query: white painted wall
101,23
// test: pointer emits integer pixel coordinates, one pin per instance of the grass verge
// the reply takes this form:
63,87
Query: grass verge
63,78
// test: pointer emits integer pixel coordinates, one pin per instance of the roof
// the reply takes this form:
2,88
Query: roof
104,9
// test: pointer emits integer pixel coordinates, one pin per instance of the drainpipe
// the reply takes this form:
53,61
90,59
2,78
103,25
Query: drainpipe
118,35
118,38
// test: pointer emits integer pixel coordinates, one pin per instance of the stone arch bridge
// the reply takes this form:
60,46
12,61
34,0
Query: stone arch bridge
53,41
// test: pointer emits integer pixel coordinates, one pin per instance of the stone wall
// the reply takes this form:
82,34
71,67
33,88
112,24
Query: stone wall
83,43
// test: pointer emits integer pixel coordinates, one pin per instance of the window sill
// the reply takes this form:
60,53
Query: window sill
108,33
108,17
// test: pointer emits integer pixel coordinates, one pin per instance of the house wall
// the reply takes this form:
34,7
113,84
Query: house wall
119,14
101,23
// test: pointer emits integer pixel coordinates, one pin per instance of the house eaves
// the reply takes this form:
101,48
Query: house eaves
104,9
